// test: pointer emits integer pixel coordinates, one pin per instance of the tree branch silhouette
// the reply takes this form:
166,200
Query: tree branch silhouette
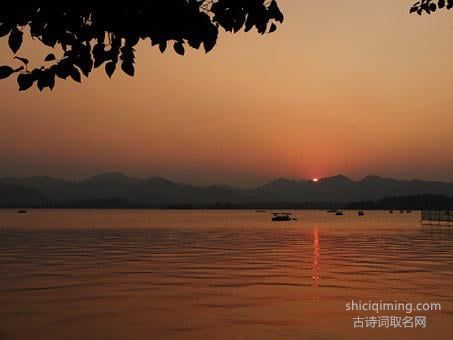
89,34
430,6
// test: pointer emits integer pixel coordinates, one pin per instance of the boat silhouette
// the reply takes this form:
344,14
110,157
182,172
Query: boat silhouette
281,217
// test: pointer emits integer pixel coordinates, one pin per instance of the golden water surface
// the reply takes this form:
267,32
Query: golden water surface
140,274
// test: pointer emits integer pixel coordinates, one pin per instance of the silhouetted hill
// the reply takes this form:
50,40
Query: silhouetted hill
14,195
378,187
149,191
109,177
157,191
343,189
56,188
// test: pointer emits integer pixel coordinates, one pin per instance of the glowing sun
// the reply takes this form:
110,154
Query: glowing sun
315,179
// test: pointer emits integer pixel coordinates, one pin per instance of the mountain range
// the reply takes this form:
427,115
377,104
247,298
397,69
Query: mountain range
159,192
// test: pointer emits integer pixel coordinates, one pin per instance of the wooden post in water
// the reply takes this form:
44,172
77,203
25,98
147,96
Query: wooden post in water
437,217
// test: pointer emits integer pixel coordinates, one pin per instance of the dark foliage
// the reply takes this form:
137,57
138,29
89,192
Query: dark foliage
431,6
92,34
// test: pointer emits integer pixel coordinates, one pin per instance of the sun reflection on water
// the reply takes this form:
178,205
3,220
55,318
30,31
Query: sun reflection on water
316,250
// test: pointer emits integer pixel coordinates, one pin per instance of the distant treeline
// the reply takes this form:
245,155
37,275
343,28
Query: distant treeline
416,202
263,206
121,203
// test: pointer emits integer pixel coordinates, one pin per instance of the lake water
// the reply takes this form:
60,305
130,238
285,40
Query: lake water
138,274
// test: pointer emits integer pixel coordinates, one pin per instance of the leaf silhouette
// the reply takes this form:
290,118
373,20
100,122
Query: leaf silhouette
273,28
15,40
179,48
75,74
99,54
25,81
50,57
4,29
110,68
163,46
128,68
5,71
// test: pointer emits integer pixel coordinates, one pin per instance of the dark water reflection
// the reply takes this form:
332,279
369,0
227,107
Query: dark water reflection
220,275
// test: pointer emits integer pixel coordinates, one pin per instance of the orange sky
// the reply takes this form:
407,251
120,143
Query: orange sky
351,87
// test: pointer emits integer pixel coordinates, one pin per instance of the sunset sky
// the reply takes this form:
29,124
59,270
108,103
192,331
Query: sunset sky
345,86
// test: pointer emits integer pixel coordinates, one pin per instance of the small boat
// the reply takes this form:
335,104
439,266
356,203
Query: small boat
331,211
401,211
21,211
281,217
361,213
339,213
391,211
